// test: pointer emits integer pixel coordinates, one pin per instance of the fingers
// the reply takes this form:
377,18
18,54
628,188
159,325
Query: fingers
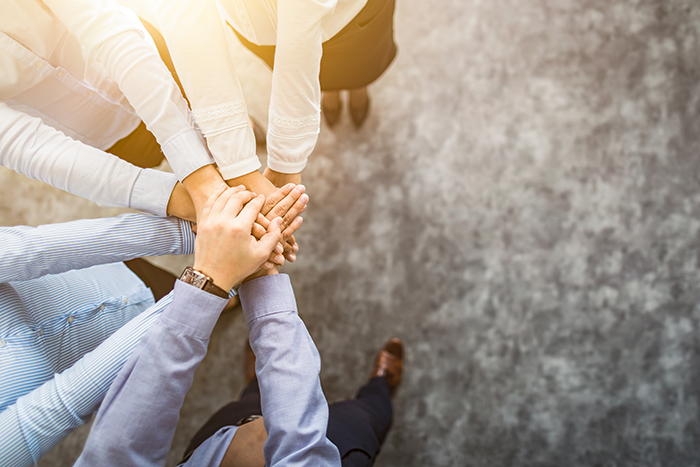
236,202
288,232
294,202
276,197
272,237
212,199
258,231
251,210
220,203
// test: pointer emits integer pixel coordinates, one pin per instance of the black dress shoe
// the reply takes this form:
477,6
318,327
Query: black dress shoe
359,114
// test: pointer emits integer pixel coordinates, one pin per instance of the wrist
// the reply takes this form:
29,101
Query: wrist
202,182
219,278
203,281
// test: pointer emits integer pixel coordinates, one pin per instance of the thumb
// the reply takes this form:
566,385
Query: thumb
273,236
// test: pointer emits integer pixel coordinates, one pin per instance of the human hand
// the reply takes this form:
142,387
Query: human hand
287,202
279,179
225,250
180,204
201,184
254,182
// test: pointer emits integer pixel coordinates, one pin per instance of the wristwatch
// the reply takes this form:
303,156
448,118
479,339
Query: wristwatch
202,281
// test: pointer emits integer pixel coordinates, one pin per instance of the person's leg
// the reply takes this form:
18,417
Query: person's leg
160,281
331,105
359,106
359,426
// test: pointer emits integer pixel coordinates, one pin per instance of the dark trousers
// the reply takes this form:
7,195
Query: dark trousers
357,427
160,282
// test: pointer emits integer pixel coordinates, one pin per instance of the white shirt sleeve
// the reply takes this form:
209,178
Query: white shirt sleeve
195,36
41,152
295,116
114,37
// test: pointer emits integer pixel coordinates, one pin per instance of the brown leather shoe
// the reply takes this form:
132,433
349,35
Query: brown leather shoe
249,363
389,363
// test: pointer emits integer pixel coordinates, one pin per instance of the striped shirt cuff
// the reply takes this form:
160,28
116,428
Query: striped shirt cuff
188,237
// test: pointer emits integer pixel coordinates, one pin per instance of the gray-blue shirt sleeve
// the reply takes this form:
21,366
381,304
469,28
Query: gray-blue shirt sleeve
287,365
136,422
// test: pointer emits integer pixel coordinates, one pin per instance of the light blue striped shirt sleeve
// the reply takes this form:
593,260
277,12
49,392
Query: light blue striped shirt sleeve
31,252
39,420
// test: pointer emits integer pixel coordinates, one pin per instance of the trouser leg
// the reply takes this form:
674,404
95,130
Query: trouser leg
359,426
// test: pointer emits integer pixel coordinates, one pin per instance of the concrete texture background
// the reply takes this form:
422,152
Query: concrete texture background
523,209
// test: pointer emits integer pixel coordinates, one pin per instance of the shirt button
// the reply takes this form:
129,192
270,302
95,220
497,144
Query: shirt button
41,332
60,73
91,93
70,319
2,343
102,307
39,65
126,300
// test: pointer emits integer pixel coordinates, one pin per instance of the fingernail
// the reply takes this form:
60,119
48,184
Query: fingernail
304,198
300,188
242,187
279,248
292,256
295,248
279,259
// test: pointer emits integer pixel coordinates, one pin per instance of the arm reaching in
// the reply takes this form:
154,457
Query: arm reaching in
137,419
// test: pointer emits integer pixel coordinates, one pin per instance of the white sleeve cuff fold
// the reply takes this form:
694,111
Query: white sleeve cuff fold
186,152
243,167
151,192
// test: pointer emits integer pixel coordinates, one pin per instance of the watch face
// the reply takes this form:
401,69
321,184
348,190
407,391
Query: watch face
195,278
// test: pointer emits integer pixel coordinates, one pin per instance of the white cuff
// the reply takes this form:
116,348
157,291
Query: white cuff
151,192
290,141
243,167
187,152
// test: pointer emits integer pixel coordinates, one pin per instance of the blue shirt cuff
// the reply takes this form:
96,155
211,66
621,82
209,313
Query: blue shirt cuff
267,295
193,311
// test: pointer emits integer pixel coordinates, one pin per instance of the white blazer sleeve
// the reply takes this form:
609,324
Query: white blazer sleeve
194,32
115,38
41,152
295,116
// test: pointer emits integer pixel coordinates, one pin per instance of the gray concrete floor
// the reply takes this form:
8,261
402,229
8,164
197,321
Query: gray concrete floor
523,209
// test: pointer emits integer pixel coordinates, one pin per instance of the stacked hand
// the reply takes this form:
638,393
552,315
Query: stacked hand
225,249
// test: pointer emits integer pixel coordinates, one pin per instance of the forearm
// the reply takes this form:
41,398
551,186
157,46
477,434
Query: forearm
294,118
160,369
39,420
30,252
115,38
30,147
280,341
195,36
